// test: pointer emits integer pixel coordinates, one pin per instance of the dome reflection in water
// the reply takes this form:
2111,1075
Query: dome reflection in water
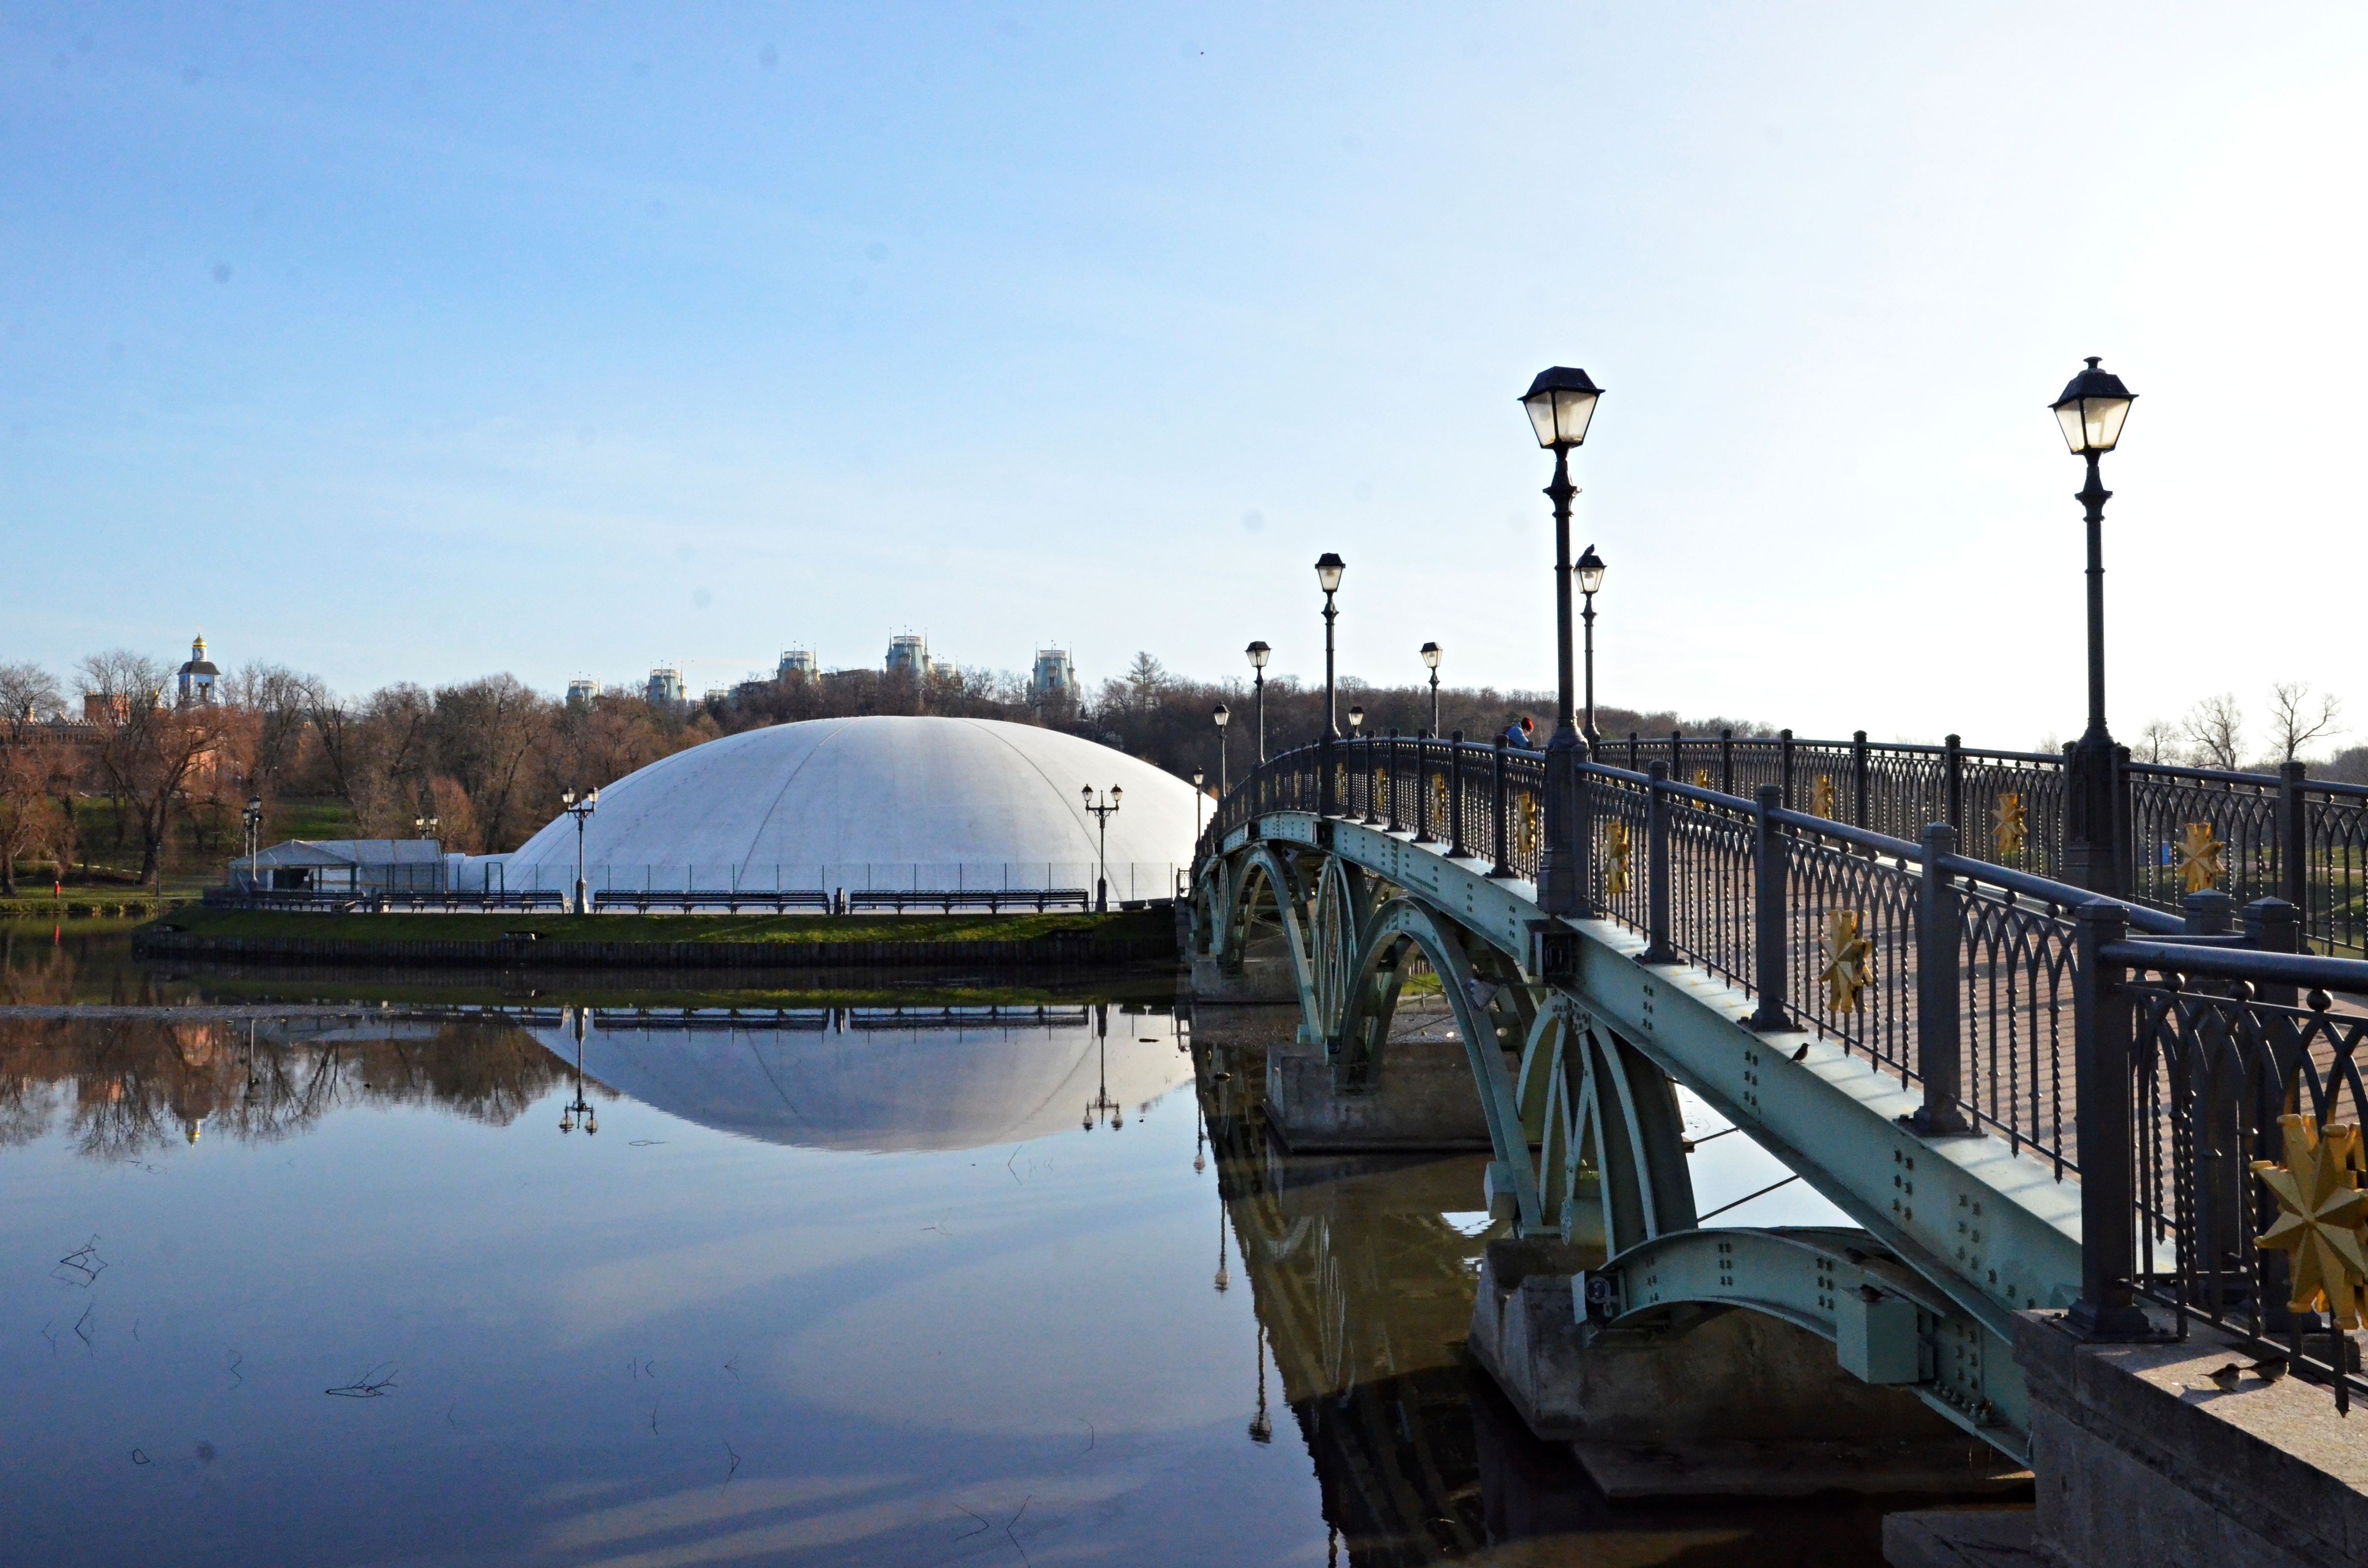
871,1279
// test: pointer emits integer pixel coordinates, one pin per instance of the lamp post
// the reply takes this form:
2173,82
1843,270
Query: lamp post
253,816
2091,411
1590,578
1431,658
1328,568
1197,777
580,808
1102,1105
1103,810
1224,716
1560,403
1259,653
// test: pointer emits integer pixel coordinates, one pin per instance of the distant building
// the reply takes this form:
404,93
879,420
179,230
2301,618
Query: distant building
715,696
1054,680
908,654
344,865
798,662
101,709
665,688
581,691
198,678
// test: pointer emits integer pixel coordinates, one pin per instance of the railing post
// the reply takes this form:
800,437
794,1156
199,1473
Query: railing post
1940,1041
2273,926
1676,754
1769,926
1422,791
1502,869
1455,798
1632,751
1582,841
1784,763
1858,779
2294,838
2104,1039
1953,802
1368,770
1656,869
1390,773
1726,762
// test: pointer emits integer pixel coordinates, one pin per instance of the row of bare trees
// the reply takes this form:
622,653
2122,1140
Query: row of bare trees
2215,733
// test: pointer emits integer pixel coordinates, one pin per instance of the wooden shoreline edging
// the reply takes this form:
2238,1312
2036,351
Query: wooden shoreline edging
1056,952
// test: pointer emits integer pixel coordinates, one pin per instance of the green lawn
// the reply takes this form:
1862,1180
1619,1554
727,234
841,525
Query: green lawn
1136,925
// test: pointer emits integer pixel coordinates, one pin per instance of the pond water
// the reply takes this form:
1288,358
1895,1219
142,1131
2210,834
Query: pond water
882,1279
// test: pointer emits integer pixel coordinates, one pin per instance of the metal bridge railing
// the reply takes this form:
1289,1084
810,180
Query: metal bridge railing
2148,1054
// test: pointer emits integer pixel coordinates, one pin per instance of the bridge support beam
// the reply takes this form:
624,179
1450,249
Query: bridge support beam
1712,1401
1420,1099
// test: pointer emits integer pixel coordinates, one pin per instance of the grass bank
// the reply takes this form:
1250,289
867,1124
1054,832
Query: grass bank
980,943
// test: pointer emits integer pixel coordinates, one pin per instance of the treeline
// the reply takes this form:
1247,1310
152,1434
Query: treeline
485,761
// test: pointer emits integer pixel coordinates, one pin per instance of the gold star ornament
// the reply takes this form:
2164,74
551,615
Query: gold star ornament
1849,965
2199,858
2008,822
1615,872
2322,1217
1525,828
1702,778
1821,798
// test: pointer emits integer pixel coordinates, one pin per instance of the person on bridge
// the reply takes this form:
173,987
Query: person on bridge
1524,736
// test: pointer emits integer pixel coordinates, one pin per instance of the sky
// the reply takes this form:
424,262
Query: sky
422,341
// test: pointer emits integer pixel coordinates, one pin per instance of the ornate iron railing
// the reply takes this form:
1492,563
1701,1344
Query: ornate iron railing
2153,1067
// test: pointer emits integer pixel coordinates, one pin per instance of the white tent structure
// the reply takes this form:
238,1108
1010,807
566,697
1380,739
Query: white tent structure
871,802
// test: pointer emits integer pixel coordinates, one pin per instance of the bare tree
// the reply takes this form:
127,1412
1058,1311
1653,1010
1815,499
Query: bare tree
154,759
282,702
30,823
2297,718
338,729
2156,741
2215,728
28,694
486,733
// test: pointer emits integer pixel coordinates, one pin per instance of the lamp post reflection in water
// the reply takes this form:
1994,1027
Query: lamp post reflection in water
1261,1428
578,1107
1102,1104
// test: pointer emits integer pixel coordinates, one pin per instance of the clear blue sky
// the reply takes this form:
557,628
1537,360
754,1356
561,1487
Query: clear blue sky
422,341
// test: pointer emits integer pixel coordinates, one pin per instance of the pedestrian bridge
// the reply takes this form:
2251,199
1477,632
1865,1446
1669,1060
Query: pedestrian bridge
2027,1096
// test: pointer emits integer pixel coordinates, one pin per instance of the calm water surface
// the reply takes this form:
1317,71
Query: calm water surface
853,1282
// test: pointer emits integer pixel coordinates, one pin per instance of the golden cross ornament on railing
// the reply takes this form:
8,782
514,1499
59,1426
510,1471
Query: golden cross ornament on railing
1821,797
2322,1217
1848,961
1702,778
1438,796
1525,831
2200,866
1615,872
2010,826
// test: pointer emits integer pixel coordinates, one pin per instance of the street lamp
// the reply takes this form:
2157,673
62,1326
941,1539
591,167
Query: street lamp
1328,568
1560,403
1224,716
580,808
1197,777
2091,411
1590,578
1259,653
1431,658
253,817
1103,810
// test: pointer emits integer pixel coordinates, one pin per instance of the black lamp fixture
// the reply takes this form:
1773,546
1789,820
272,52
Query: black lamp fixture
2091,412
1589,571
1328,568
1259,653
1561,406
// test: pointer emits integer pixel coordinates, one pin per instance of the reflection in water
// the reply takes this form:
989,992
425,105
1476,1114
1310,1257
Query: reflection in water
127,1088
884,1283
1362,1270
880,1079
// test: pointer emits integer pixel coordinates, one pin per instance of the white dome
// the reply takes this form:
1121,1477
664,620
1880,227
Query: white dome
875,802
870,1079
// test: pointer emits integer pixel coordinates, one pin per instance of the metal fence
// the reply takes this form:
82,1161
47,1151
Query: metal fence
2150,1055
